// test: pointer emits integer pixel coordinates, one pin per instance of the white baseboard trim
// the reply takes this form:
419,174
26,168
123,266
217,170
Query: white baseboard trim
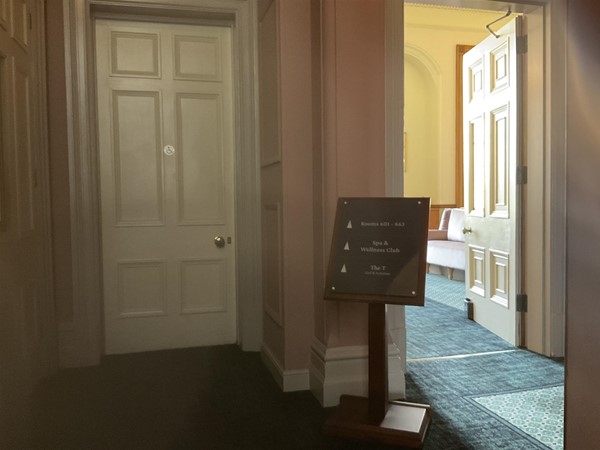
344,370
288,380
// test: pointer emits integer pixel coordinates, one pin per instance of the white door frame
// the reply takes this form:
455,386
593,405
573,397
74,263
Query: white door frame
549,253
82,342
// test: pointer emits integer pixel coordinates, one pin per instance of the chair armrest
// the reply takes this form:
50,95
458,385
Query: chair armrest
437,235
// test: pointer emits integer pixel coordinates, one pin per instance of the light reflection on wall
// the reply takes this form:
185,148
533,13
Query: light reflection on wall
421,122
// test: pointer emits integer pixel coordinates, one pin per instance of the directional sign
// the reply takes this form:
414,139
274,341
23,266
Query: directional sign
378,251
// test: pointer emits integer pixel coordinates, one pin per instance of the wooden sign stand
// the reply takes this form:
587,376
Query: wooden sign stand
376,418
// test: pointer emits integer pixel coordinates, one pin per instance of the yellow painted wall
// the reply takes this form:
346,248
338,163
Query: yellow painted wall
431,36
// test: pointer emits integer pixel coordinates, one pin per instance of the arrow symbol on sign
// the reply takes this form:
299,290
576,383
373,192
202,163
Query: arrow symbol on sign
347,246
349,225
343,269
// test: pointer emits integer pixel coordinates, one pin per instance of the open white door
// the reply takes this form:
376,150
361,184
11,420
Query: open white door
491,155
27,320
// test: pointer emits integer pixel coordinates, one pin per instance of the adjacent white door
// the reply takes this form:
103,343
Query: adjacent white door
491,155
167,185
27,326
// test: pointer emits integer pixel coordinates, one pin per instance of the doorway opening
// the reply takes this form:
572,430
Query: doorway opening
540,264
83,343
440,337
167,193
481,241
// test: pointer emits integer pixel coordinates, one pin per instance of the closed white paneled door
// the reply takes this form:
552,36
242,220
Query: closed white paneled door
167,185
27,324
491,155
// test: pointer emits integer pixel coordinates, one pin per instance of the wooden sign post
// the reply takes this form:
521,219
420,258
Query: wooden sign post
378,256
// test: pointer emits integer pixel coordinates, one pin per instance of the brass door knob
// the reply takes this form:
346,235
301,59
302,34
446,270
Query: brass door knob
219,241
467,230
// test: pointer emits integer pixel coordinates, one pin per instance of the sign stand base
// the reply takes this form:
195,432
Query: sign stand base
375,418
405,424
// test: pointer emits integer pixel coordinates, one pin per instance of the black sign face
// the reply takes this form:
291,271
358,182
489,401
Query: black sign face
378,251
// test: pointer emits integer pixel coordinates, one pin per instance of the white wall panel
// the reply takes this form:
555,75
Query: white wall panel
203,286
476,81
135,54
197,58
499,67
20,23
478,268
141,288
138,174
201,183
272,262
477,168
500,162
499,277
4,17
4,148
25,163
270,132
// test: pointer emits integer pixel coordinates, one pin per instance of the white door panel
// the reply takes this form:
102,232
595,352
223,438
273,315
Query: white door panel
491,156
166,156
27,324
137,158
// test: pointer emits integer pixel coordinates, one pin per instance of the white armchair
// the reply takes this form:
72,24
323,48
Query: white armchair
446,245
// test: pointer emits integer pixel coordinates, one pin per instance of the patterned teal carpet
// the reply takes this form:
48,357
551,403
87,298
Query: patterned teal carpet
484,393
538,412
443,290
441,327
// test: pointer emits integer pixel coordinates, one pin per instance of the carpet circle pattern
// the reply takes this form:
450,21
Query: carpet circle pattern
537,412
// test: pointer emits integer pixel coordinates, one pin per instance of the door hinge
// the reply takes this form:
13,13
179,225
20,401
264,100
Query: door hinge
30,21
522,175
522,44
521,302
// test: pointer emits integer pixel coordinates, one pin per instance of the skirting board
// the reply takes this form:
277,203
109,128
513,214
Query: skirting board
344,370
288,380
72,351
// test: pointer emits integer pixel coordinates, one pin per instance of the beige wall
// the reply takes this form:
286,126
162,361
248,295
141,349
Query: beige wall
59,164
302,176
271,179
296,139
353,133
286,141
431,36
583,225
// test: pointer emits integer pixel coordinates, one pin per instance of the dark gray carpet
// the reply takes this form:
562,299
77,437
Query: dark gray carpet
216,398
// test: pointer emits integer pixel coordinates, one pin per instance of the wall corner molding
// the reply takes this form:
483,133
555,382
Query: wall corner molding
335,371
287,380
394,94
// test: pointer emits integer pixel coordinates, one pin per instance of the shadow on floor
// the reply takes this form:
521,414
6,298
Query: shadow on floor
202,398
